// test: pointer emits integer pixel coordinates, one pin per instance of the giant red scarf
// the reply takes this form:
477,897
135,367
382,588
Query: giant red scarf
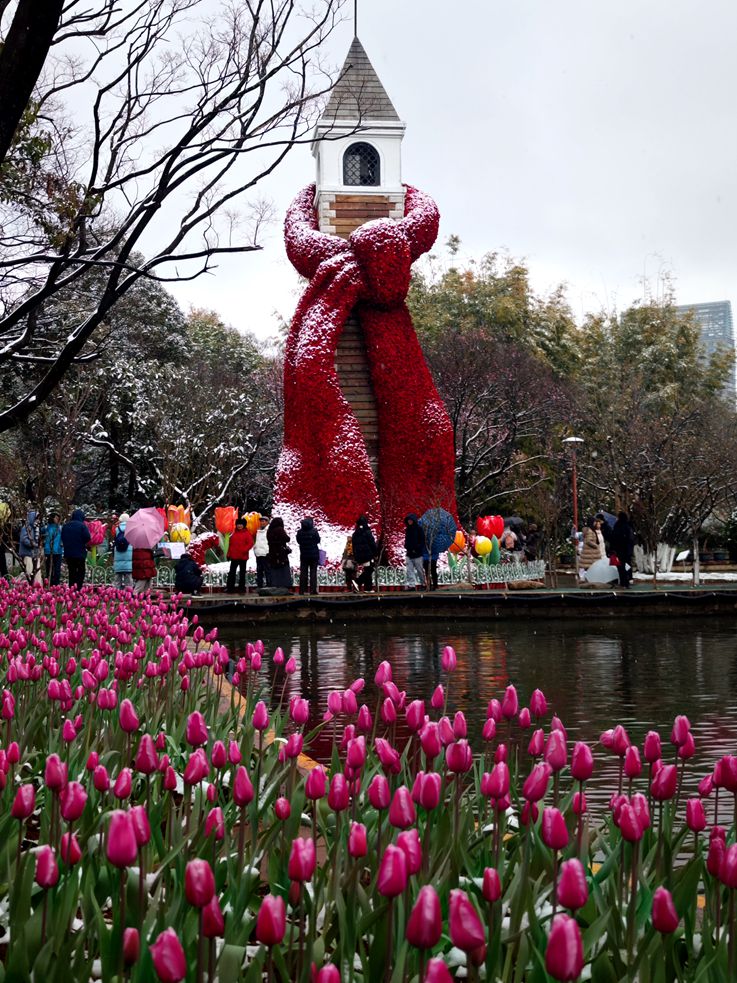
324,469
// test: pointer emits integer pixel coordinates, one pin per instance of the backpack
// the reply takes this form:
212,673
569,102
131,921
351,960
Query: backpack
121,543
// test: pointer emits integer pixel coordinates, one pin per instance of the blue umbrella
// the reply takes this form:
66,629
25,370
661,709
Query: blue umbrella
440,530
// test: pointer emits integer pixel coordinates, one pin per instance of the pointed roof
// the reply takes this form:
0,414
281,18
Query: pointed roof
359,93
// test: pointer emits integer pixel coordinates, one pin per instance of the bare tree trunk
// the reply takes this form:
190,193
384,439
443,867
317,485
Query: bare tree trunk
22,58
696,565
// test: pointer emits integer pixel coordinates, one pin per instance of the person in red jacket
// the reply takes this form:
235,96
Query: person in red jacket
144,570
241,543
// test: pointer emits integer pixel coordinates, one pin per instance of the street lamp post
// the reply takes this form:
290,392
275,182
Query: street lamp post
573,444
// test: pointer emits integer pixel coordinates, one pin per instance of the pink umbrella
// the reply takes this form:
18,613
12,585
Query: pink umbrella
145,529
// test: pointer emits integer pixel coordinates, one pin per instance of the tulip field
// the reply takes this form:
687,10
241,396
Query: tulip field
158,823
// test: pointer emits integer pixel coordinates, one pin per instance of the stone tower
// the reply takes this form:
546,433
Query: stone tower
358,154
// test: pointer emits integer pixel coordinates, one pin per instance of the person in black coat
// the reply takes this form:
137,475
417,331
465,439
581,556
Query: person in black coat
414,548
75,535
308,539
280,571
364,553
187,575
622,544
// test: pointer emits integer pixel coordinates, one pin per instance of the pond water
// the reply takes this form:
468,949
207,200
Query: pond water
639,673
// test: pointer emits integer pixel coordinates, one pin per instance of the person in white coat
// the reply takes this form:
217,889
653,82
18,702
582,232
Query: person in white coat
260,549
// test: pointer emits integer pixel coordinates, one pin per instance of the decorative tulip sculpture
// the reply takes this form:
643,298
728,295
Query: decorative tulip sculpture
225,517
97,537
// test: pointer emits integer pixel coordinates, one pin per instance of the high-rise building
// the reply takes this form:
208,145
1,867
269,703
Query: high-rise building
717,332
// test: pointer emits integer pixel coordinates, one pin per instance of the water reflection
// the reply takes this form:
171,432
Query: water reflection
638,673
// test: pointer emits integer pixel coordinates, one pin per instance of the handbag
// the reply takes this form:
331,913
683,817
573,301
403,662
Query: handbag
322,558
614,560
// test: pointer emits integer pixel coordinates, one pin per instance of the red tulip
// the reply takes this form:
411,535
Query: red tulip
402,810
459,757
664,784
425,922
357,844
510,704
409,843
379,792
199,883
47,869
536,783
213,923
665,916
121,845
24,802
553,829
146,760
564,952
71,852
556,753
538,703
573,891
271,923
695,815
168,957
302,859
652,748
392,877
73,801
437,972
339,796
128,717
131,946
466,930
242,788
215,823
492,885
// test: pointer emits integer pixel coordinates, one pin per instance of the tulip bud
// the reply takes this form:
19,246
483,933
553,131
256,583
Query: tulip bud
409,843
123,784
128,718
430,740
357,844
24,802
663,785
492,885
402,810
392,877
168,957
199,883
537,743
632,763
283,809
466,929
425,922
524,719
339,794
47,869
437,972
379,793
146,760
536,783
573,891
121,845
652,748
218,755
510,705
415,715
553,830
260,718
73,801
215,824
695,815
437,700
213,923
681,729
564,952
538,703
302,859
315,784
448,659
131,946
242,788
54,773
271,922
665,917
459,757
556,753
101,779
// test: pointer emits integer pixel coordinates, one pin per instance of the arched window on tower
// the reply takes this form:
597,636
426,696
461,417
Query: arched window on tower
361,166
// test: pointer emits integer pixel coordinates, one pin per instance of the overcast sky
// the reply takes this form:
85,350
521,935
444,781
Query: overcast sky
596,140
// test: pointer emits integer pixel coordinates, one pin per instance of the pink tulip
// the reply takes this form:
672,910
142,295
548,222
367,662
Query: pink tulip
71,852
573,891
168,957
536,783
460,728
425,922
409,843
357,843
402,810
131,946
128,718
271,922
234,753
123,784
68,732
629,823
459,757
260,718
488,731
215,824
356,753
242,788
664,784
73,801
524,720
556,753
282,809
339,797
553,829
681,729
141,825
510,703
652,748
715,856
47,869
121,845
564,952
537,743
328,974
578,804
415,715
302,859
199,883
688,748
388,756
299,711
364,721
664,914
492,885
392,877
388,711
146,760
695,815
582,762
430,740
437,972
620,741
538,703
437,700
24,802
706,786
497,785
101,779
632,763
54,773
213,923
448,659
466,929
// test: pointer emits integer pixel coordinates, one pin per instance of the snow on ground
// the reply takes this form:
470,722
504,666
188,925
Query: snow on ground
687,577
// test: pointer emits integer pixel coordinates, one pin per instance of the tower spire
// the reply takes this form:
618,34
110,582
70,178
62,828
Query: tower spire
355,18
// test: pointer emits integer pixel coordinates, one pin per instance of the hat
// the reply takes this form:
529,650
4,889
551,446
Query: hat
123,517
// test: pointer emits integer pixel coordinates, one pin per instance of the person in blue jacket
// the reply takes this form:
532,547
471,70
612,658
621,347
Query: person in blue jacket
53,549
122,555
28,547
74,537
